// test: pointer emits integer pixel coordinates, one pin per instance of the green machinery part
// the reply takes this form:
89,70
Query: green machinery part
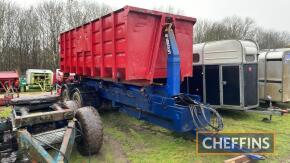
38,82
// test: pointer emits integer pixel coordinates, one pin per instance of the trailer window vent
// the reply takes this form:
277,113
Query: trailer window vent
196,58
250,58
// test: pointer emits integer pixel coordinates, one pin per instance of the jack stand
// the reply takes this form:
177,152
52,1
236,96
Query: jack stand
267,120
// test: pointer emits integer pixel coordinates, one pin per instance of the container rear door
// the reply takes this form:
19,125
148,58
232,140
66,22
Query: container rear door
286,78
212,84
231,85
274,71
250,84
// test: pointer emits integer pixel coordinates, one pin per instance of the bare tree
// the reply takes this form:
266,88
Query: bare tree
169,9
78,13
209,31
238,28
51,15
229,28
29,37
269,39
9,14
28,29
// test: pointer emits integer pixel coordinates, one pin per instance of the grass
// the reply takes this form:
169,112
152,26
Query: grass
143,142
5,112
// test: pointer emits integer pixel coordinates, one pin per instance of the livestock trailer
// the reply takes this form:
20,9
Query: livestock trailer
129,60
225,74
38,79
274,75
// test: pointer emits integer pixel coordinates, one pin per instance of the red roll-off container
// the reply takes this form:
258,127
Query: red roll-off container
127,45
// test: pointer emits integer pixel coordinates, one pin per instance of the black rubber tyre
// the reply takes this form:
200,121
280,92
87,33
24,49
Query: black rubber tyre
71,105
77,97
65,94
92,130
85,97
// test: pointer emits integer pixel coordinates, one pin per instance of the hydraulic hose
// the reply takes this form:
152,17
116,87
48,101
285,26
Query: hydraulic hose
200,120
198,114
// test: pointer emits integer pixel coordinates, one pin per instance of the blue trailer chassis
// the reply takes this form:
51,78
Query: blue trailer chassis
146,104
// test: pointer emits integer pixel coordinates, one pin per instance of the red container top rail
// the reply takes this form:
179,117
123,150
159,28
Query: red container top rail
126,45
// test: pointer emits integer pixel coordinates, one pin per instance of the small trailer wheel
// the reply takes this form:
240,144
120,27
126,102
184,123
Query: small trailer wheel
92,130
71,105
76,96
65,95
86,98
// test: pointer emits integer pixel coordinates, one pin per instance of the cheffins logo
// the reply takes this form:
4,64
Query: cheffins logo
235,143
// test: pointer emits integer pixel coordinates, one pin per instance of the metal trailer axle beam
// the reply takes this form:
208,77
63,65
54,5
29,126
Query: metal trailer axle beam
43,117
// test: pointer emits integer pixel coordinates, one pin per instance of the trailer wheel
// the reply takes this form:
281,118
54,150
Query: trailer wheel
86,98
92,130
76,96
71,105
65,94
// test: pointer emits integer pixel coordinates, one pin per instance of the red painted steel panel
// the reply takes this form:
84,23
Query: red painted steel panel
8,80
9,75
127,44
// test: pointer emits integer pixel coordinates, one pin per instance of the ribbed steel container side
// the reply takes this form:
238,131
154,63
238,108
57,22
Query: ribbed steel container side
126,45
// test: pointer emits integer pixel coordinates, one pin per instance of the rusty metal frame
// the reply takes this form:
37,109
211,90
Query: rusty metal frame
42,117
67,143
27,143
37,153
35,147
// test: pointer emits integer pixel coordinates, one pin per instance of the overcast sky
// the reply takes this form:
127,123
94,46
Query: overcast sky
270,14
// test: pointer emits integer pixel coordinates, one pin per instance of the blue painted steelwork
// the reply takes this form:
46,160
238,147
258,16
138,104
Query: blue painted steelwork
35,149
38,153
173,64
148,104
67,143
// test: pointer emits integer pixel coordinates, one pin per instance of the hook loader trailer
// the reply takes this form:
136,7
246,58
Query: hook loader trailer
134,60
